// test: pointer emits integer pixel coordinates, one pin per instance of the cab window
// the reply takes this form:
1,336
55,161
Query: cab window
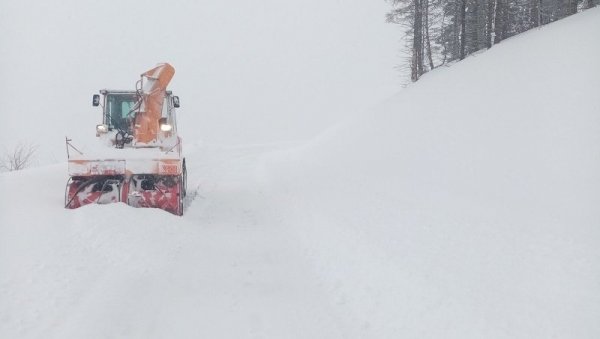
119,110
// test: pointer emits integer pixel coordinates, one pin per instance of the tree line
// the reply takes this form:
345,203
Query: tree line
442,31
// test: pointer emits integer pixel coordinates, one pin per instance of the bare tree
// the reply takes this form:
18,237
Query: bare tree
427,27
410,14
536,12
417,51
443,31
19,158
463,28
489,27
572,7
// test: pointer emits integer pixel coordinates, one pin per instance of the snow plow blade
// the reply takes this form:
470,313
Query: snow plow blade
147,191
150,190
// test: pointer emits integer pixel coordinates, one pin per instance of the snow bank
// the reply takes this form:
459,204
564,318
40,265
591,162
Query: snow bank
466,206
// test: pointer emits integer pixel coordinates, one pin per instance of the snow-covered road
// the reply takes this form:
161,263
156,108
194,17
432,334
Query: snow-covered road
229,268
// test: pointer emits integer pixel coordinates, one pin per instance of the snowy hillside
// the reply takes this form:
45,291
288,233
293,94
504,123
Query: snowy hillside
467,206
464,207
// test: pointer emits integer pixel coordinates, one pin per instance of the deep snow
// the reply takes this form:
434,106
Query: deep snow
464,207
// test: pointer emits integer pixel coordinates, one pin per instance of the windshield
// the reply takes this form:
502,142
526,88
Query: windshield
119,110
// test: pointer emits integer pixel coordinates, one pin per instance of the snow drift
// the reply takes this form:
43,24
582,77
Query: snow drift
465,207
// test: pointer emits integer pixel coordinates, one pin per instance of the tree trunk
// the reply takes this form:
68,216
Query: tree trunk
489,29
427,39
463,24
535,13
572,7
444,41
417,56
456,37
499,22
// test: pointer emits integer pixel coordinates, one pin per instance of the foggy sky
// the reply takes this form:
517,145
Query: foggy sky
246,71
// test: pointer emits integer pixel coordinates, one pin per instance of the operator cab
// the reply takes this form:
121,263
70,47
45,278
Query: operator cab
120,108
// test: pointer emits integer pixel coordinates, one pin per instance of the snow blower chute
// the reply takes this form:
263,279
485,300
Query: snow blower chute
138,157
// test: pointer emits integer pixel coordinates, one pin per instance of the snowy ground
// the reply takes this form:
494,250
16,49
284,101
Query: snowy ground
430,217
227,269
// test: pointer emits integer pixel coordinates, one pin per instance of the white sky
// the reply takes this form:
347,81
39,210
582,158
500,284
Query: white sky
246,71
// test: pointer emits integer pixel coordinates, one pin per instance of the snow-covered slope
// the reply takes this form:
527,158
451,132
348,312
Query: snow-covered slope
465,207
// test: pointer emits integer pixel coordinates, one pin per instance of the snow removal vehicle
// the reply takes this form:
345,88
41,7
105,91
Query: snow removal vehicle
136,157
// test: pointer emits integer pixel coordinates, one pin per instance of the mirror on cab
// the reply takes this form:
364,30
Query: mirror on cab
176,101
96,100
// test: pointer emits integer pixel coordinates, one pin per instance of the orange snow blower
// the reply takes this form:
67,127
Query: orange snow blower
138,158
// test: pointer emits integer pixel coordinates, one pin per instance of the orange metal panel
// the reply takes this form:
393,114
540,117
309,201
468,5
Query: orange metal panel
146,123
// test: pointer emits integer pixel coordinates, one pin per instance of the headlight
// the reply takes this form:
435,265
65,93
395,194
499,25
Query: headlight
101,128
166,127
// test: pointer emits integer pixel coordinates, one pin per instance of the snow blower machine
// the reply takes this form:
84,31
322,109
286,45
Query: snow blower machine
136,157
